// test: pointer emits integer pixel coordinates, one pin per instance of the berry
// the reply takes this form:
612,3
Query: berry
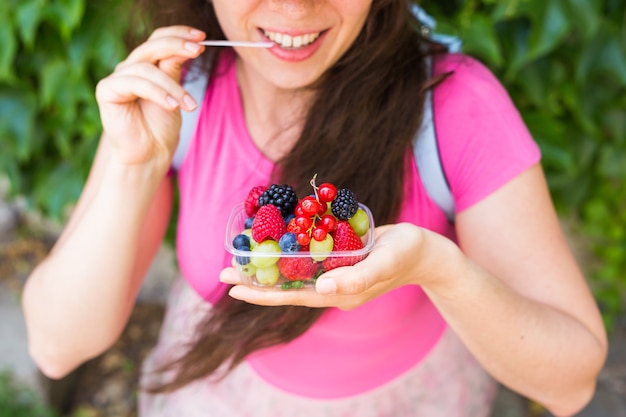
304,222
345,239
310,206
297,268
248,223
241,241
288,243
319,234
288,218
281,196
303,238
326,192
345,205
294,228
327,222
251,204
268,223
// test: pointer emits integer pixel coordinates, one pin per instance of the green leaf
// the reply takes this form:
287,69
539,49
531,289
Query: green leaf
550,25
8,48
53,79
18,110
481,40
586,15
65,15
28,17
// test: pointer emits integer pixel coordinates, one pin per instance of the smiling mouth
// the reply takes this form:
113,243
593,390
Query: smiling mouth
291,42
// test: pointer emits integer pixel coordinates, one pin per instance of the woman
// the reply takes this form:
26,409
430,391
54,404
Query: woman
423,326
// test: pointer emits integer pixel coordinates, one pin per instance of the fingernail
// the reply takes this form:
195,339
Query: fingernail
190,103
326,286
195,32
192,47
171,101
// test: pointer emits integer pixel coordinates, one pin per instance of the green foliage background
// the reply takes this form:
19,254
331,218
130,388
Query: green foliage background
563,62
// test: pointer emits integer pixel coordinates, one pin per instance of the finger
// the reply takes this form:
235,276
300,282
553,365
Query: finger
360,278
158,77
181,31
178,49
126,89
302,297
230,276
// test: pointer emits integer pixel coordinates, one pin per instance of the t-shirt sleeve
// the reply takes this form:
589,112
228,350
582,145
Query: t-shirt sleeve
482,139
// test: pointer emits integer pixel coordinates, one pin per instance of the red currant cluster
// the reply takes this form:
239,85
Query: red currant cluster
313,217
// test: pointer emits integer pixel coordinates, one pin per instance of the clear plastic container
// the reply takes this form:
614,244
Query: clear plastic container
267,276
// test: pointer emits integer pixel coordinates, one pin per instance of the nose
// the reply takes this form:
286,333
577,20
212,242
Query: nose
295,8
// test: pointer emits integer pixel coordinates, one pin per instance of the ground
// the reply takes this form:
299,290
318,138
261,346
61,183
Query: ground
106,386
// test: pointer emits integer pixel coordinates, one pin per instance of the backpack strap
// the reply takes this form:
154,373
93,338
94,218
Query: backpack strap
425,144
195,83
428,161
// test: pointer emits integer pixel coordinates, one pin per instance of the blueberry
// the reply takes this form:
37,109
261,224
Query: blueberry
288,243
289,217
242,260
241,241
248,223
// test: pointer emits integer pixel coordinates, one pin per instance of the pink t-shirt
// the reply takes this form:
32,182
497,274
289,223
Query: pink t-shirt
483,144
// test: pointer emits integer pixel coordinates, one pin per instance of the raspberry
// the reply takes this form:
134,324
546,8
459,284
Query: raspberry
268,223
282,196
345,205
252,200
296,268
345,239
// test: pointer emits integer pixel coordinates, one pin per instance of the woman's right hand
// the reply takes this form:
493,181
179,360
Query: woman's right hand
140,101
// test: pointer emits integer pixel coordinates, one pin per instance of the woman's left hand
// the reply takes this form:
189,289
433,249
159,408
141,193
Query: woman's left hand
397,259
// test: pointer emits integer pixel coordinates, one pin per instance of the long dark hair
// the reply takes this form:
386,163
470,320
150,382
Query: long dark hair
365,112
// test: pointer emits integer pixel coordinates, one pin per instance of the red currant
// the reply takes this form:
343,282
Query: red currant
319,234
327,192
310,205
298,211
304,222
327,222
303,239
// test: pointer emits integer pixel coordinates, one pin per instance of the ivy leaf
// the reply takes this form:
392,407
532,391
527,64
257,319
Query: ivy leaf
53,78
549,26
18,110
481,40
8,48
65,15
27,17
585,14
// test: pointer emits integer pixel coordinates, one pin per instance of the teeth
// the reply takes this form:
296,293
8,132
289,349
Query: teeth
288,41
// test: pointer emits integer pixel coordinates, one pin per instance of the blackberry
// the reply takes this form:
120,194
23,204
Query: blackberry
345,205
282,196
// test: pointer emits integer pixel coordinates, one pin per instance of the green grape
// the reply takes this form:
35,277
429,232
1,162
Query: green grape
360,222
259,254
321,250
268,276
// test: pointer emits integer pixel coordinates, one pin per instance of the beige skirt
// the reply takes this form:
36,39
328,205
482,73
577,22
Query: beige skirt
447,383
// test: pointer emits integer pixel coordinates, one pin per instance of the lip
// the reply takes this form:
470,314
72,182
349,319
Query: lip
299,54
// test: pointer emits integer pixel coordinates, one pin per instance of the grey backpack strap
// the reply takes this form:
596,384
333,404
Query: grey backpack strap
425,145
195,83
428,160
